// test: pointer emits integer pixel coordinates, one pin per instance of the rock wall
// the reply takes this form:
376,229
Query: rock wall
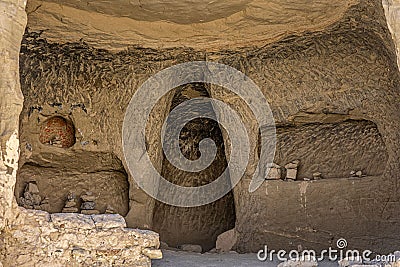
12,26
320,85
34,238
319,78
348,146
346,67
201,24
110,187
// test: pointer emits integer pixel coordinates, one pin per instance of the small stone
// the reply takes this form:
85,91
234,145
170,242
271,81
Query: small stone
21,259
90,212
317,175
274,172
226,241
359,174
152,253
293,165
110,210
32,199
71,196
214,250
353,174
191,248
291,174
28,202
306,179
28,196
88,197
88,205
291,170
45,201
32,188
397,254
70,204
36,199
21,201
70,210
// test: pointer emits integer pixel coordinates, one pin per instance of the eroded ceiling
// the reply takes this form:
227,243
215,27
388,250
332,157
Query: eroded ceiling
210,25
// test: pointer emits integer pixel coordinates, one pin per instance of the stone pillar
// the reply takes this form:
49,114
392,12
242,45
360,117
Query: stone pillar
141,205
12,25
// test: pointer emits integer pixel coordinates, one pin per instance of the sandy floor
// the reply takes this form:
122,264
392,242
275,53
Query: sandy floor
188,259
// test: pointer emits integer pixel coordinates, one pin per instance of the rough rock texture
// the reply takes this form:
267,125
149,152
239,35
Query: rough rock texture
333,149
173,23
92,88
36,238
342,79
59,172
12,26
203,224
226,241
319,78
57,131
111,187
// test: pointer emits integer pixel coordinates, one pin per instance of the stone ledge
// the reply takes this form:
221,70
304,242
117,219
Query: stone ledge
61,239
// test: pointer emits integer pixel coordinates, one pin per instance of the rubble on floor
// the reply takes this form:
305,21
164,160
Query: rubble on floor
226,241
32,199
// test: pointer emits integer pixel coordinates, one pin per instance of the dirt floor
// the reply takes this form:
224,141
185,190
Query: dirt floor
190,259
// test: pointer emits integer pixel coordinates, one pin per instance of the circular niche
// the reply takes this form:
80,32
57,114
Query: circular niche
57,131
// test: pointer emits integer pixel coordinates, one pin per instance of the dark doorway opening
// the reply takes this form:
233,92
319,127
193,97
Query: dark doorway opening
196,225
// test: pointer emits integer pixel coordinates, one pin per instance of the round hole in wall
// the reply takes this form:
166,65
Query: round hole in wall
57,131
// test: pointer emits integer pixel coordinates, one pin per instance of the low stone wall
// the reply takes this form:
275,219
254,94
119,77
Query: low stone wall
37,238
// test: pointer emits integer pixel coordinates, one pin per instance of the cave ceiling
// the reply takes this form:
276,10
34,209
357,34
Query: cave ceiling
199,24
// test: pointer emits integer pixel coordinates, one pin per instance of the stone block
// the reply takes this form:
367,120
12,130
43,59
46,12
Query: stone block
72,221
226,241
107,221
